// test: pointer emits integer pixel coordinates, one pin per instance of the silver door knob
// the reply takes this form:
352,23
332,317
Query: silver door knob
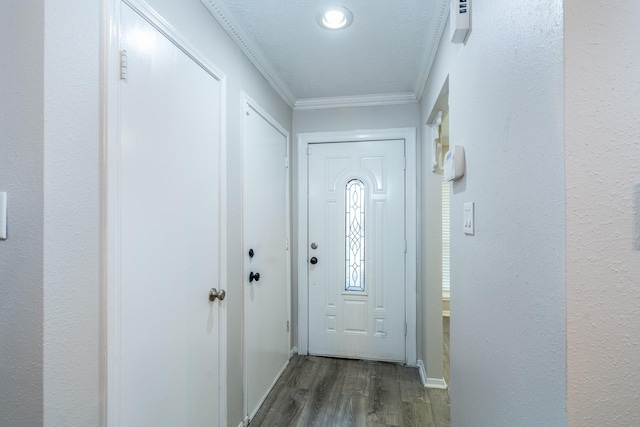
219,294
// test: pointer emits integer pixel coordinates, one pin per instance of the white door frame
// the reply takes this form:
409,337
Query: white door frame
304,141
249,104
110,180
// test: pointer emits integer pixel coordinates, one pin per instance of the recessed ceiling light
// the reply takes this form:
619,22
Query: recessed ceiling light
334,18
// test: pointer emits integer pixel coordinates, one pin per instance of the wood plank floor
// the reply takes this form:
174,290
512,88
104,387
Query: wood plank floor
324,392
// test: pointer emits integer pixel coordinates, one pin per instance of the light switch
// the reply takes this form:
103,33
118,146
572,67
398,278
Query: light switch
3,216
468,218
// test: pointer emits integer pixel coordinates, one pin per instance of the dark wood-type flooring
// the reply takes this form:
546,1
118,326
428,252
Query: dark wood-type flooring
325,392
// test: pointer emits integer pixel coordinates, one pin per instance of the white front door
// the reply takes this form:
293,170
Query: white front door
356,253
266,306
170,228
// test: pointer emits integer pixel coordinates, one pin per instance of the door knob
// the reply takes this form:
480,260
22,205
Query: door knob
313,260
254,276
219,294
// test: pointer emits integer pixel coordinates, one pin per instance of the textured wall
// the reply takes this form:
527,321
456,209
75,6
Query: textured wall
72,214
21,157
602,74
507,282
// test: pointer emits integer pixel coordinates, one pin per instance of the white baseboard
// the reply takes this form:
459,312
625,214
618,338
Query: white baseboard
423,372
293,352
446,313
439,383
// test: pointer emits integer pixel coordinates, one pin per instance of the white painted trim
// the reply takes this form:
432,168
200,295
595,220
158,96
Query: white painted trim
244,423
423,372
293,352
111,195
411,213
249,104
439,21
356,101
438,383
221,13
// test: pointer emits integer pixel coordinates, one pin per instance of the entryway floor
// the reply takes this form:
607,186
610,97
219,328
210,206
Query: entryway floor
324,392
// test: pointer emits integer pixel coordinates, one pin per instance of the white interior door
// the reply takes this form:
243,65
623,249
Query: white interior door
356,270
266,255
170,222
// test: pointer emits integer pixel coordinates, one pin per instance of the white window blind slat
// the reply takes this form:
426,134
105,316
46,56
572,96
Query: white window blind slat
446,236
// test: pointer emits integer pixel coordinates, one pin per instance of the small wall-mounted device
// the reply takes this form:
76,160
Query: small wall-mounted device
454,163
460,16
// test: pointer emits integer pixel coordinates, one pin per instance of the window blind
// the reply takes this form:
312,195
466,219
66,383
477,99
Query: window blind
446,237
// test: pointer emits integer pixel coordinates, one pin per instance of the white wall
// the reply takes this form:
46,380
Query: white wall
340,119
602,142
508,347
21,162
72,356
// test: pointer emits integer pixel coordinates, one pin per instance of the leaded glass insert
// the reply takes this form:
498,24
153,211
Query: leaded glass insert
354,240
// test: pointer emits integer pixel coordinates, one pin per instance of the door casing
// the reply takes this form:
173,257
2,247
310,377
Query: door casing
304,141
110,180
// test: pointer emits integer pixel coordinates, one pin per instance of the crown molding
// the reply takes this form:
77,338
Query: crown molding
224,17
431,48
356,101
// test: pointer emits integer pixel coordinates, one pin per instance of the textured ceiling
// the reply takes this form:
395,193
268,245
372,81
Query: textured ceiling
383,57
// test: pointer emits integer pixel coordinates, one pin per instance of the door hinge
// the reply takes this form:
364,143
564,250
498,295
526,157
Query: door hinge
286,244
288,326
405,329
123,65
286,162
406,246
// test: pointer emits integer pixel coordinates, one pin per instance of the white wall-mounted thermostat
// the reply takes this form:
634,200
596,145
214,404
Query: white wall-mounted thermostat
454,163
460,24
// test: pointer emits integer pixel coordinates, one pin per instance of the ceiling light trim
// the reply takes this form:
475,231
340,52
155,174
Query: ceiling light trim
431,48
356,101
347,18
224,17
